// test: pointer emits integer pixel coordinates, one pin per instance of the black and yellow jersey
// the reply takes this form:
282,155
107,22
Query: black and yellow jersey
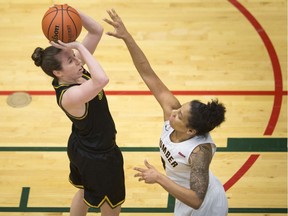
96,128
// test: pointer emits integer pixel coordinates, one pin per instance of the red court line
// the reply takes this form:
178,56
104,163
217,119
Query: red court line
275,64
245,167
132,92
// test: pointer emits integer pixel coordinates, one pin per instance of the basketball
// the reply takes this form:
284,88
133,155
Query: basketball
61,22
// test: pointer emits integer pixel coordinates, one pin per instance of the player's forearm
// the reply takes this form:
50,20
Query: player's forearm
139,59
185,195
92,26
95,32
94,67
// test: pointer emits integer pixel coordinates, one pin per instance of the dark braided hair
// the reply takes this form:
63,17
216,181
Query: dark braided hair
45,58
205,117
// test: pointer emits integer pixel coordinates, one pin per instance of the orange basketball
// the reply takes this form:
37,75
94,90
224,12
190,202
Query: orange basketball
61,22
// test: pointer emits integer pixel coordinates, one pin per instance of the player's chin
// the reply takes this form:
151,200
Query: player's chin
171,121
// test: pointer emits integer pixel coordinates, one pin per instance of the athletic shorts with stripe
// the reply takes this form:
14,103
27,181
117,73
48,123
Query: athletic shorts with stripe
100,174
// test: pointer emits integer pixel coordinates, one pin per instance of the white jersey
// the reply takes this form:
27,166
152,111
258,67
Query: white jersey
175,157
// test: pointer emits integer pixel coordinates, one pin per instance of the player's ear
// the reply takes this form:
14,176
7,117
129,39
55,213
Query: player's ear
57,73
191,131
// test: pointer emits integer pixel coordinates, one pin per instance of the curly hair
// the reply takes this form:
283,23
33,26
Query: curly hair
205,117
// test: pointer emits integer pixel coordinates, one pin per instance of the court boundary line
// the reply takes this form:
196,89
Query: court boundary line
146,92
277,72
169,209
233,144
269,129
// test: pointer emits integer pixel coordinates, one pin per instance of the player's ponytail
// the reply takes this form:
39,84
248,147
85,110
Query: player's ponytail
37,56
46,59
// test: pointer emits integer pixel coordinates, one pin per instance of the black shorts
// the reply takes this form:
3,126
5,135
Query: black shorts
100,174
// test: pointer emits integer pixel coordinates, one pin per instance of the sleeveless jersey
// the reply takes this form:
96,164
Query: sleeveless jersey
175,158
95,130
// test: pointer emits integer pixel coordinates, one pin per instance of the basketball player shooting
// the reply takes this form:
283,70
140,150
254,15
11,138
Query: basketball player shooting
95,159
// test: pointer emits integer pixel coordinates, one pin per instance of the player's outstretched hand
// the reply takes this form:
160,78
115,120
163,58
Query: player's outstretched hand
120,30
149,175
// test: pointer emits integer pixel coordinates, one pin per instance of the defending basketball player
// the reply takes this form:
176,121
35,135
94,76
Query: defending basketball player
186,146
96,162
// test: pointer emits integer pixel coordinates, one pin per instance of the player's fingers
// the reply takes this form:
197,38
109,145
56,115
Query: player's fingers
108,21
138,175
147,164
114,13
112,34
56,45
139,169
60,42
111,14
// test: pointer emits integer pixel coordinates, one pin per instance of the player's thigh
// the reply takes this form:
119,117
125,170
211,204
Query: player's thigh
106,210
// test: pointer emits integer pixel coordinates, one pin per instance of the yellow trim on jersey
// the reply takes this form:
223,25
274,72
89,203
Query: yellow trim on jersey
86,75
78,118
77,186
104,199
60,85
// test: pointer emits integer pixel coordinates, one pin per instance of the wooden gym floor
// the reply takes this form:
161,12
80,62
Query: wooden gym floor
232,50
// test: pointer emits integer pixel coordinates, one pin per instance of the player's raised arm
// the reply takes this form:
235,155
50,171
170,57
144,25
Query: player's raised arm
163,95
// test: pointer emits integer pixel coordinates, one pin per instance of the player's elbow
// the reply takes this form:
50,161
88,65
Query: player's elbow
195,204
96,30
100,82
198,204
104,81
